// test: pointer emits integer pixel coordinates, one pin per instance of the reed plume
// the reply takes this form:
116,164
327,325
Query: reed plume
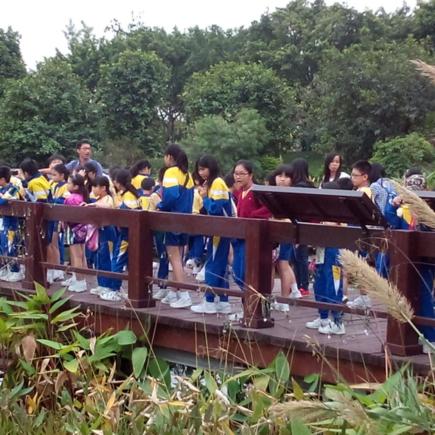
425,69
366,278
424,214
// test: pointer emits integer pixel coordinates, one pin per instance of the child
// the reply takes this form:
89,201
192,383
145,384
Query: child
76,233
59,191
8,234
37,188
147,187
328,286
282,178
106,235
128,201
177,196
216,202
140,171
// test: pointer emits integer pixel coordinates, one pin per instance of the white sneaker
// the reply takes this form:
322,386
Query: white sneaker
4,271
170,298
160,294
70,280
277,306
170,269
332,328
295,294
58,274
362,302
204,308
183,301
110,295
190,263
50,279
98,290
155,265
317,323
78,286
236,317
223,307
14,277
200,276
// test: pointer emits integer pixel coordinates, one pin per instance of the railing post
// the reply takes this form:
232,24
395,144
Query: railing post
401,338
258,276
35,246
140,260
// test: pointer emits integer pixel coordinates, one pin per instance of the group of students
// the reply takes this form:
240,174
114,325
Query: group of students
203,191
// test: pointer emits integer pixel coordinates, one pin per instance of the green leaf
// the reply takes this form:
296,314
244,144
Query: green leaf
72,366
125,337
41,293
297,390
138,358
159,369
282,368
49,343
57,295
57,305
210,383
66,315
299,428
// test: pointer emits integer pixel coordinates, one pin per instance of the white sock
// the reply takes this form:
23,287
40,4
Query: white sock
294,287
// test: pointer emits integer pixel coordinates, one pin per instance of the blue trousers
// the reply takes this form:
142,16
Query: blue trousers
328,283
196,248
9,244
159,240
239,262
299,259
119,257
216,266
103,257
427,272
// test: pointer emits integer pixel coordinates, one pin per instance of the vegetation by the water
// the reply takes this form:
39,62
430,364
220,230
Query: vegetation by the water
61,378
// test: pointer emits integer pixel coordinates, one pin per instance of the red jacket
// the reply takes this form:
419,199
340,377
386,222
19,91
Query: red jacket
249,207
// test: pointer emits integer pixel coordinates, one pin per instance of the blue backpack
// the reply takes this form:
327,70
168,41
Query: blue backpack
390,211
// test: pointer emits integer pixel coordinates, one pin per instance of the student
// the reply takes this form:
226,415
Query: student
76,233
177,196
247,207
139,171
147,187
106,235
129,200
8,233
36,186
59,191
282,177
299,253
216,202
328,286
332,169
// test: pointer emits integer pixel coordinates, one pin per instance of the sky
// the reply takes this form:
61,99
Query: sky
41,23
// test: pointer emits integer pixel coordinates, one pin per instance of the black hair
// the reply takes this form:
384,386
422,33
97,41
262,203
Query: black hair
247,165
5,172
345,183
326,171
413,171
271,178
113,170
161,174
54,157
29,166
363,166
284,169
180,157
330,185
300,173
123,177
377,171
61,169
147,183
139,166
82,142
229,180
209,162
102,181
79,181
90,167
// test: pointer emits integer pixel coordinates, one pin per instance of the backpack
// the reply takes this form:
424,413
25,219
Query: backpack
390,211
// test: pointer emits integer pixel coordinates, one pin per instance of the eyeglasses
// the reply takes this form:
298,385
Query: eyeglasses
240,174
356,175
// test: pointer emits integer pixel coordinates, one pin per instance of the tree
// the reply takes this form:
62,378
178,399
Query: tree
11,63
45,112
130,91
401,153
245,137
228,87
366,94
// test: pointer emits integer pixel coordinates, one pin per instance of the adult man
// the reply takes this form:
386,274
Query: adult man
84,152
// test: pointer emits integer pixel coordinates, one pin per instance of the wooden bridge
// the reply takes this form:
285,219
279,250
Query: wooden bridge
374,342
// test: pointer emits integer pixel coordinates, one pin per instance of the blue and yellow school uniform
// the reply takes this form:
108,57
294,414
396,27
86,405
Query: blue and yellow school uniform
9,232
145,201
128,201
196,242
38,189
137,181
177,197
217,203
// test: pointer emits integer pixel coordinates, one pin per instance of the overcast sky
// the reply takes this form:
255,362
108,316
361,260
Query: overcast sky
41,22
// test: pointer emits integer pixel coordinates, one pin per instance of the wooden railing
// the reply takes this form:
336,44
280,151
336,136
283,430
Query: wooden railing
406,249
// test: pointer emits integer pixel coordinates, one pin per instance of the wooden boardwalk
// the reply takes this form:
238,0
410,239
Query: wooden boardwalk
357,356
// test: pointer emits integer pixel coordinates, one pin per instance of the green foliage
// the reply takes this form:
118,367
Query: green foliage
44,112
243,138
228,87
401,153
130,90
